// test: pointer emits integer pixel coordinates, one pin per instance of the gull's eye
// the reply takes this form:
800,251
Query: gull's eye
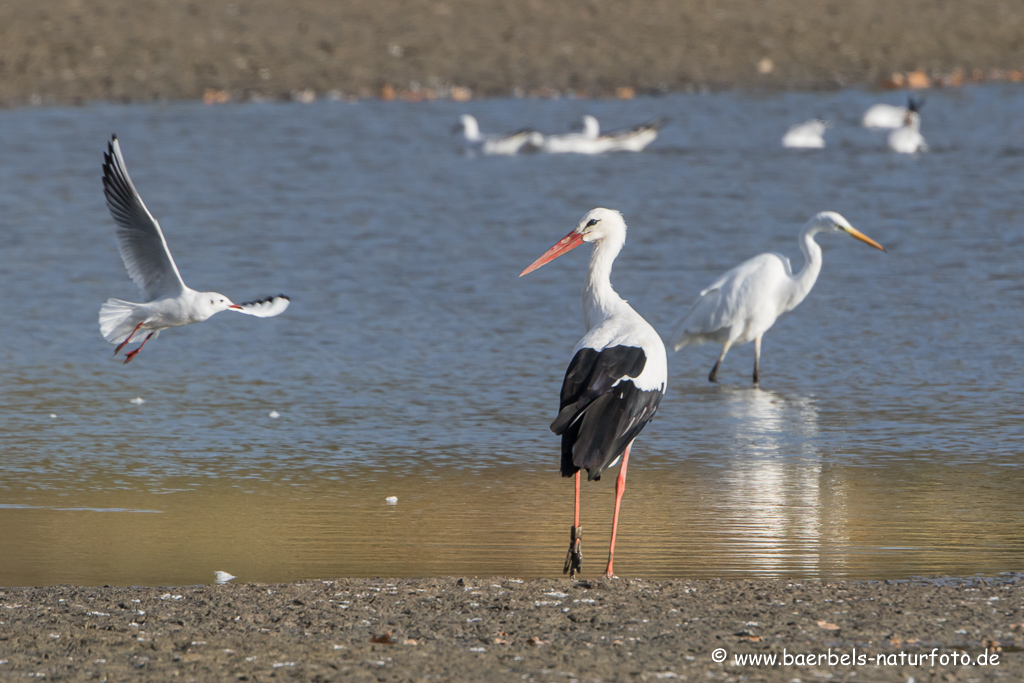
592,222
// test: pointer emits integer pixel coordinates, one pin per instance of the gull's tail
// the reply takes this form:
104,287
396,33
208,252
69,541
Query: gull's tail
117,320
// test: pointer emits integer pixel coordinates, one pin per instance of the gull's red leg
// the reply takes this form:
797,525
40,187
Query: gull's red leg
134,352
574,558
121,345
620,487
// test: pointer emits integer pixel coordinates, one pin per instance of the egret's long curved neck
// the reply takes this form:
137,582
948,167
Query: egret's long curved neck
600,301
808,275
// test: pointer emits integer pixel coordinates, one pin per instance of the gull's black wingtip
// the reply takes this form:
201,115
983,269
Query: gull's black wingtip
256,302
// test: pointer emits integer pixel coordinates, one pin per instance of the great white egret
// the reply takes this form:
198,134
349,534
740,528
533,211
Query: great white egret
617,376
744,303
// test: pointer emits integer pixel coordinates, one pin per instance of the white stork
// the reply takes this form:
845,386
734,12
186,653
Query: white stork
616,378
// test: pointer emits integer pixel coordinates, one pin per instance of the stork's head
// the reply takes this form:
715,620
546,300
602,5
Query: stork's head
598,224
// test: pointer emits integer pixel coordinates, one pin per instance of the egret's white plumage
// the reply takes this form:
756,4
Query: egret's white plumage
745,302
168,301
807,135
884,116
617,375
524,140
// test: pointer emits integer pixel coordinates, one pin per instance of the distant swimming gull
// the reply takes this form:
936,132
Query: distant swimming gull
883,115
807,135
634,139
907,139
524,140
169,302
587,141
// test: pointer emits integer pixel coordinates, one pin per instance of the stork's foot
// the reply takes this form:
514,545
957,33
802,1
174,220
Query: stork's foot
574,557
131,354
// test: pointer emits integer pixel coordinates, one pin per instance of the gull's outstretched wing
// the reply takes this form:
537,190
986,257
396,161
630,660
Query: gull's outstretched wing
139,239
264,308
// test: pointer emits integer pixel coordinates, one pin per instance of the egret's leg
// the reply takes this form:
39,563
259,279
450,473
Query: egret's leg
757,360
121,345
574,558
131,354
620,486
713,377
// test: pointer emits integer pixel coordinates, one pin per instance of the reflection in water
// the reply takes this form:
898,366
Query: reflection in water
775,482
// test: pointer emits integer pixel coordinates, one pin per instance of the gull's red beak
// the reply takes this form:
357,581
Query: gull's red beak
567,243
236,307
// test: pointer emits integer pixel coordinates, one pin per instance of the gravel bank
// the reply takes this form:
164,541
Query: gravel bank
500,629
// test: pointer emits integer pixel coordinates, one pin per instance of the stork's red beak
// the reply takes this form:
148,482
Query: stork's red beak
567,243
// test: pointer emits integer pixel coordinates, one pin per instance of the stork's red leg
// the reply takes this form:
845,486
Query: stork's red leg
574,558
576,507
620,487
134,352
121,345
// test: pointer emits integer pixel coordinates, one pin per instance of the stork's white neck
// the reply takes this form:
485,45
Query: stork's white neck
600,301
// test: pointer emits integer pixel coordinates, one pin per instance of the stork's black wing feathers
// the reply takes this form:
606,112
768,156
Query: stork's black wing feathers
602,410
591,374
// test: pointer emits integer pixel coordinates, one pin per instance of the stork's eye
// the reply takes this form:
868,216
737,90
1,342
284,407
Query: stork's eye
592,222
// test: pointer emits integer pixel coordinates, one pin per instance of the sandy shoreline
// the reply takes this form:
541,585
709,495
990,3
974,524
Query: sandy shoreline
495,629
69,51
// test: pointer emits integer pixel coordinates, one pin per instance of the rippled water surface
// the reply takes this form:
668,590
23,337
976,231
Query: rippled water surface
886,440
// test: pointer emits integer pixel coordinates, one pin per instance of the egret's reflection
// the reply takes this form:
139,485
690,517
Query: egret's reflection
780,499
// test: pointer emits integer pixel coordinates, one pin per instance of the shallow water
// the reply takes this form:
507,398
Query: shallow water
885,441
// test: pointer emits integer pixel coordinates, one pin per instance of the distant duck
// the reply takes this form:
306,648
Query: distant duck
806,135
586,141
883,115
634,139
524,140
907,139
